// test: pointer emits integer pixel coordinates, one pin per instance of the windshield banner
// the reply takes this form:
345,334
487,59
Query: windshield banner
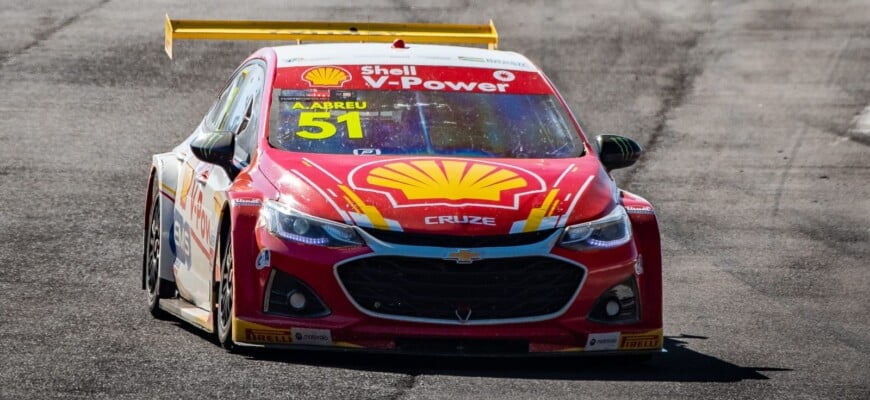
412,77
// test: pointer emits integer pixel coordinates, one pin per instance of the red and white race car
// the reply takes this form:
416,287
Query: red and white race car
398,197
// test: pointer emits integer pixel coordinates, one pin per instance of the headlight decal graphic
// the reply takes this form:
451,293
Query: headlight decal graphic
363,214
544,216
326,196
373,216
540,217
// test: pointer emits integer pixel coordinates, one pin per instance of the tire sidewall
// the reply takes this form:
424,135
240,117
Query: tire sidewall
224,331
153,292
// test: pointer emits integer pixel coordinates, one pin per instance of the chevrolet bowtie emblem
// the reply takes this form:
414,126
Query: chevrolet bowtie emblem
463,256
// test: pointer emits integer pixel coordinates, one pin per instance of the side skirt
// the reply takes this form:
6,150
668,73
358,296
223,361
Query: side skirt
188,312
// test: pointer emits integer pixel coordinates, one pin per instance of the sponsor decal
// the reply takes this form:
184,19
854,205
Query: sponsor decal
366,152
368,70
457,219
624,146
463,256
333,77
318,337
644,341
330,105
494,61
268,336
472,59
195,226
504,76
450,182
405,77
246,203
602,341
264,259
640,210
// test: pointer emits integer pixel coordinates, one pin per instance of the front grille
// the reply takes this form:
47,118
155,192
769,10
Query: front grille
492,289
428,239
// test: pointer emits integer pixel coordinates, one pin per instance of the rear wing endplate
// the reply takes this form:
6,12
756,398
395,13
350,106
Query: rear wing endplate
328,32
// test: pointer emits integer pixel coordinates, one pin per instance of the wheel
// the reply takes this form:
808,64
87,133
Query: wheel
224,306
155,287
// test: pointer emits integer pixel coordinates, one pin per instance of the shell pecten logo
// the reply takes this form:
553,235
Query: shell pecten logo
421,182
326,76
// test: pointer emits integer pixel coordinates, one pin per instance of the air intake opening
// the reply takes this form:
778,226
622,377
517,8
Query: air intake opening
286,295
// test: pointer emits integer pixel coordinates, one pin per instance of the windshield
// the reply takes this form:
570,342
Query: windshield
409,122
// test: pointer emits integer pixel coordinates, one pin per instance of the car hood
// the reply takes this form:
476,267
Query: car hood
442,195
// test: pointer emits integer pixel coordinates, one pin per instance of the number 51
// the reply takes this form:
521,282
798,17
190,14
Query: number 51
320,120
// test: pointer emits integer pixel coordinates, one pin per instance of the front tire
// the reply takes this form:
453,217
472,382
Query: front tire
155,287
224,304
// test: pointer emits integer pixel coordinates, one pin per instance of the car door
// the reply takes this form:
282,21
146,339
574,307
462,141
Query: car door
204,185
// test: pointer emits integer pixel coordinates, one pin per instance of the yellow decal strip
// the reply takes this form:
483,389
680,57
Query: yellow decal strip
553,208
353,205
538,214
167,189
347,345
574,349
374,215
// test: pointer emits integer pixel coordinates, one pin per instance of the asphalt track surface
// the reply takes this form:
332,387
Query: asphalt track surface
746,109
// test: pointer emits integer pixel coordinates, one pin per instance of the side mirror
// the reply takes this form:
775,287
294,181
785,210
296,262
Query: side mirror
216,148
617,151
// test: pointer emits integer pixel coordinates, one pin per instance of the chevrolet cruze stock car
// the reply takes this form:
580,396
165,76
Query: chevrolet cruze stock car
376,193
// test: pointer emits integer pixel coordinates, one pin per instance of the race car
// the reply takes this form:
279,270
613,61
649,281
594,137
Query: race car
392,191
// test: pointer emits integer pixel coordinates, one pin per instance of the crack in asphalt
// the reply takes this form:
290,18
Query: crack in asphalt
683,81
43,35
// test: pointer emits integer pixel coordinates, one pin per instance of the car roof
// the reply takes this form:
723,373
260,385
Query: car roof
412,54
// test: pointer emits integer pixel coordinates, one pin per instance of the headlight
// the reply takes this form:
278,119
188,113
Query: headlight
611,231
287,223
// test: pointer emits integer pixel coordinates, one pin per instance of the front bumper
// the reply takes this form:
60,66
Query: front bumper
350,326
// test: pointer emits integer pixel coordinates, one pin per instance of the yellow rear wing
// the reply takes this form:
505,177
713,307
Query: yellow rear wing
328,32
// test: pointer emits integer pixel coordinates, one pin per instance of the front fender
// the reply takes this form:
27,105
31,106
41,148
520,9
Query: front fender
244,212
164,170
645,227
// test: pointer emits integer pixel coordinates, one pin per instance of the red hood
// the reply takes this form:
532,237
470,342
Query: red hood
440,194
